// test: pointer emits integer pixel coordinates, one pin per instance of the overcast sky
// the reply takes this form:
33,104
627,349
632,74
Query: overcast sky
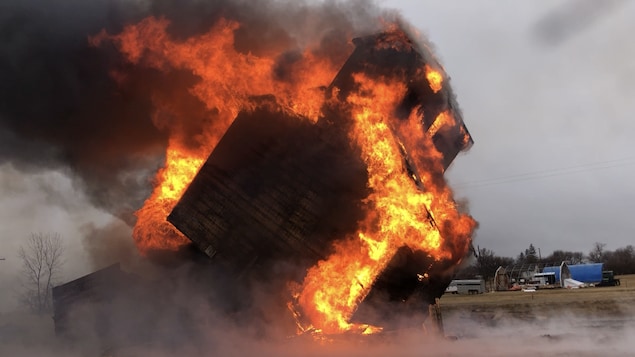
546,91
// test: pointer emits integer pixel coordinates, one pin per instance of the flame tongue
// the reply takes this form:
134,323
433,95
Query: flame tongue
180,168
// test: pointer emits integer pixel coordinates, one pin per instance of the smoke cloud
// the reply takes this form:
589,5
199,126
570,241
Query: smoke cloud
62,105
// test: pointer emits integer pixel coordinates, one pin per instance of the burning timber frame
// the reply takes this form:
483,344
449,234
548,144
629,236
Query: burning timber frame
276,187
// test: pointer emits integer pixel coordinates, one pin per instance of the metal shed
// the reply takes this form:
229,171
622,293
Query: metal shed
587,273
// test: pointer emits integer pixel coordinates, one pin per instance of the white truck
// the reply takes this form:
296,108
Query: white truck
466,286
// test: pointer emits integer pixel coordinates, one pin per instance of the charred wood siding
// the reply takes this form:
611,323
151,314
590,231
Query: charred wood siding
275,188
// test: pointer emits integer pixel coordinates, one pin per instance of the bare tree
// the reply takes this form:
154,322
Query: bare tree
597,254
487,263
41,261
621,261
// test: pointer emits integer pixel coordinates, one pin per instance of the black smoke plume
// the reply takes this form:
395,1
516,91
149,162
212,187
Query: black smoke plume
61,106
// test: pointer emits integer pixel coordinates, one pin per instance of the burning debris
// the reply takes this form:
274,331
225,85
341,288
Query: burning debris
332,165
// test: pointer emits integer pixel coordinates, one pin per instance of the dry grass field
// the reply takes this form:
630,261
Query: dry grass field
591,302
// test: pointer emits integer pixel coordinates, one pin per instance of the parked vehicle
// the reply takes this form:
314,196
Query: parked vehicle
466,286
451,289
608,279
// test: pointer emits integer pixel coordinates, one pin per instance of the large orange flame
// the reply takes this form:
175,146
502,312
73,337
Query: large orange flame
402,214
229,80
154,232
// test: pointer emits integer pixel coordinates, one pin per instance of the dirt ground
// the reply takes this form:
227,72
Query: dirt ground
591,302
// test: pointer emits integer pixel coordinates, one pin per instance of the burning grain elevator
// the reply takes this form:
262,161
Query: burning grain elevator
353,198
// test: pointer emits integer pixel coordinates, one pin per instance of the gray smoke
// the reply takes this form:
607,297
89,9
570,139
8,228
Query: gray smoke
61,106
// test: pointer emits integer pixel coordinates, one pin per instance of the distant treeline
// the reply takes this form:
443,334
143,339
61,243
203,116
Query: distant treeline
620,261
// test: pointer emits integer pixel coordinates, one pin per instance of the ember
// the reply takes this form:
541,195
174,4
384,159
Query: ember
344,179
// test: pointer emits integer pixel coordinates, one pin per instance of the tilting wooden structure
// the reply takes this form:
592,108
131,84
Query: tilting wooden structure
278,188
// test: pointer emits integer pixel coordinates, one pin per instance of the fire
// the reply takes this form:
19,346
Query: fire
400,216
435,79
229,80
443,119
180,167
179,170
414,210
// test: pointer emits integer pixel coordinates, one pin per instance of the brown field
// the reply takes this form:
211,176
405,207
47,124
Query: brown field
590,303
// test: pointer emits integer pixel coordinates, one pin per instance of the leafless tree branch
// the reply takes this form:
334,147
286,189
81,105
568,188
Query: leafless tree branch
41,257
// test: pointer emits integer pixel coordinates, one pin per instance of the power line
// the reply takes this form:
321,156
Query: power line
537,175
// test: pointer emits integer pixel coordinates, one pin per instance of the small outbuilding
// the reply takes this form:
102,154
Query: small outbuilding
501,279
522,273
